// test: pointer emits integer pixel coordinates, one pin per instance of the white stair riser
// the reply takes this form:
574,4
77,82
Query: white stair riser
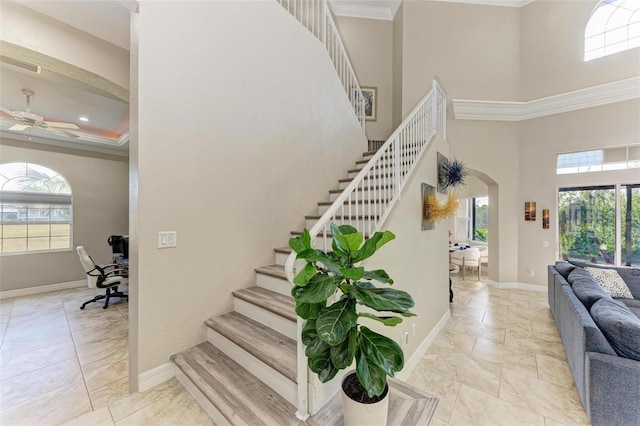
281,258
265,317
384,171
362,195
278,285
201,399
368,182
375,209
358,224
272,378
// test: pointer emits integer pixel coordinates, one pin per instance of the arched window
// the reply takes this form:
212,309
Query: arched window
35,209
614,26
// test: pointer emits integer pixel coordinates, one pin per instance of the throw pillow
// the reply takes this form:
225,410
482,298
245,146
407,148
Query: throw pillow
619,325
611,281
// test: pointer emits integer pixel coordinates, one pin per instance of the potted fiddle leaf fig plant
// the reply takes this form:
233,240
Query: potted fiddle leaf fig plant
327,292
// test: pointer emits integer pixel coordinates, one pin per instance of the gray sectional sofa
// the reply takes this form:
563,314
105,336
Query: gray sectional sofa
601,337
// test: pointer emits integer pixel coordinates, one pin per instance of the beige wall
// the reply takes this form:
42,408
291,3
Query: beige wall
503,53
237,141
552,50
540,141
396,73
100,209
472,50
369,44
416,260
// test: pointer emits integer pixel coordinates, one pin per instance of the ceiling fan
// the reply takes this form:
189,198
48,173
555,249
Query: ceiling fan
27,119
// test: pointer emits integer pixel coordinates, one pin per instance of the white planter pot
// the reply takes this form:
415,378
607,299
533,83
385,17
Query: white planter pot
359,414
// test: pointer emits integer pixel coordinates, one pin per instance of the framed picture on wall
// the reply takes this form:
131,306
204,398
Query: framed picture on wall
370,107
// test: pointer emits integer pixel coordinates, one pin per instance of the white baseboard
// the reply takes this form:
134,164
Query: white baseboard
155,376
423,348
42,289
517,286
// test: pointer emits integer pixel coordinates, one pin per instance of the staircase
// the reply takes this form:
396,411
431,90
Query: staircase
252,369
246,372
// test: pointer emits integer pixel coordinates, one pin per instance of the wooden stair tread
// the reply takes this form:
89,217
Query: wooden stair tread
328,203
266,344
282,249
237,394
276,271
279,304
407,406
372,188
382,176
359,217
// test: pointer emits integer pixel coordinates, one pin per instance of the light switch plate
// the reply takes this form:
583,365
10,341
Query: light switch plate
167,239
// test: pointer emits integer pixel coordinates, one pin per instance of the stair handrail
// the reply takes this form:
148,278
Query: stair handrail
316,16
401,151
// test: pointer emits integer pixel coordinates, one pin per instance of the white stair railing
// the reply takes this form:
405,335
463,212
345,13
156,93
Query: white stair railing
316,16
367,201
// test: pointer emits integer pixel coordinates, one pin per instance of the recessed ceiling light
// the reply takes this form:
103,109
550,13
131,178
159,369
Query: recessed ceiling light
83,119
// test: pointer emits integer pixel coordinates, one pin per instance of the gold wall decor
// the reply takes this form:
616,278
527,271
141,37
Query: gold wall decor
545,218
433,210
530,210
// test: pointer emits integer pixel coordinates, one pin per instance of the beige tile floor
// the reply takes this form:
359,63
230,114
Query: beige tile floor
499,361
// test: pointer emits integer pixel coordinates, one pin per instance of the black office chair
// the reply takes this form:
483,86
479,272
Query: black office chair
108,277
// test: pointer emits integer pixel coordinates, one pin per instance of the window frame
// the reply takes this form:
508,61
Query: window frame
49,200
599,28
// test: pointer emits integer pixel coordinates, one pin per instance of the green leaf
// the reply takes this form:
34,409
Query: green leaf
308,310
372,245
335,321
384,299
300,243
378,275
352,273
342,355
305,275
319,288
314,345
388,321
323,367
372,378
346,238
326,259
381,351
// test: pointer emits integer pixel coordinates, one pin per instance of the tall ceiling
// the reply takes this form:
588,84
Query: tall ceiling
65,100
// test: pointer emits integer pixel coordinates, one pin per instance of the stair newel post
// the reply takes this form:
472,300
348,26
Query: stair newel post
303,402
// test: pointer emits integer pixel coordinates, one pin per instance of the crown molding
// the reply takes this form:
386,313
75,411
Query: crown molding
385,10
365,11
505,3
604,94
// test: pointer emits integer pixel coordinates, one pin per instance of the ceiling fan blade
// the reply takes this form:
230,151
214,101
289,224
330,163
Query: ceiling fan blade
61,132
19,127
61,125
7,111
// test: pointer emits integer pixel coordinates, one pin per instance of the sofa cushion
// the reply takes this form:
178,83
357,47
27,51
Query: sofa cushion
564,268
611,281
588,291
578,273
630,275
619,325
633,305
